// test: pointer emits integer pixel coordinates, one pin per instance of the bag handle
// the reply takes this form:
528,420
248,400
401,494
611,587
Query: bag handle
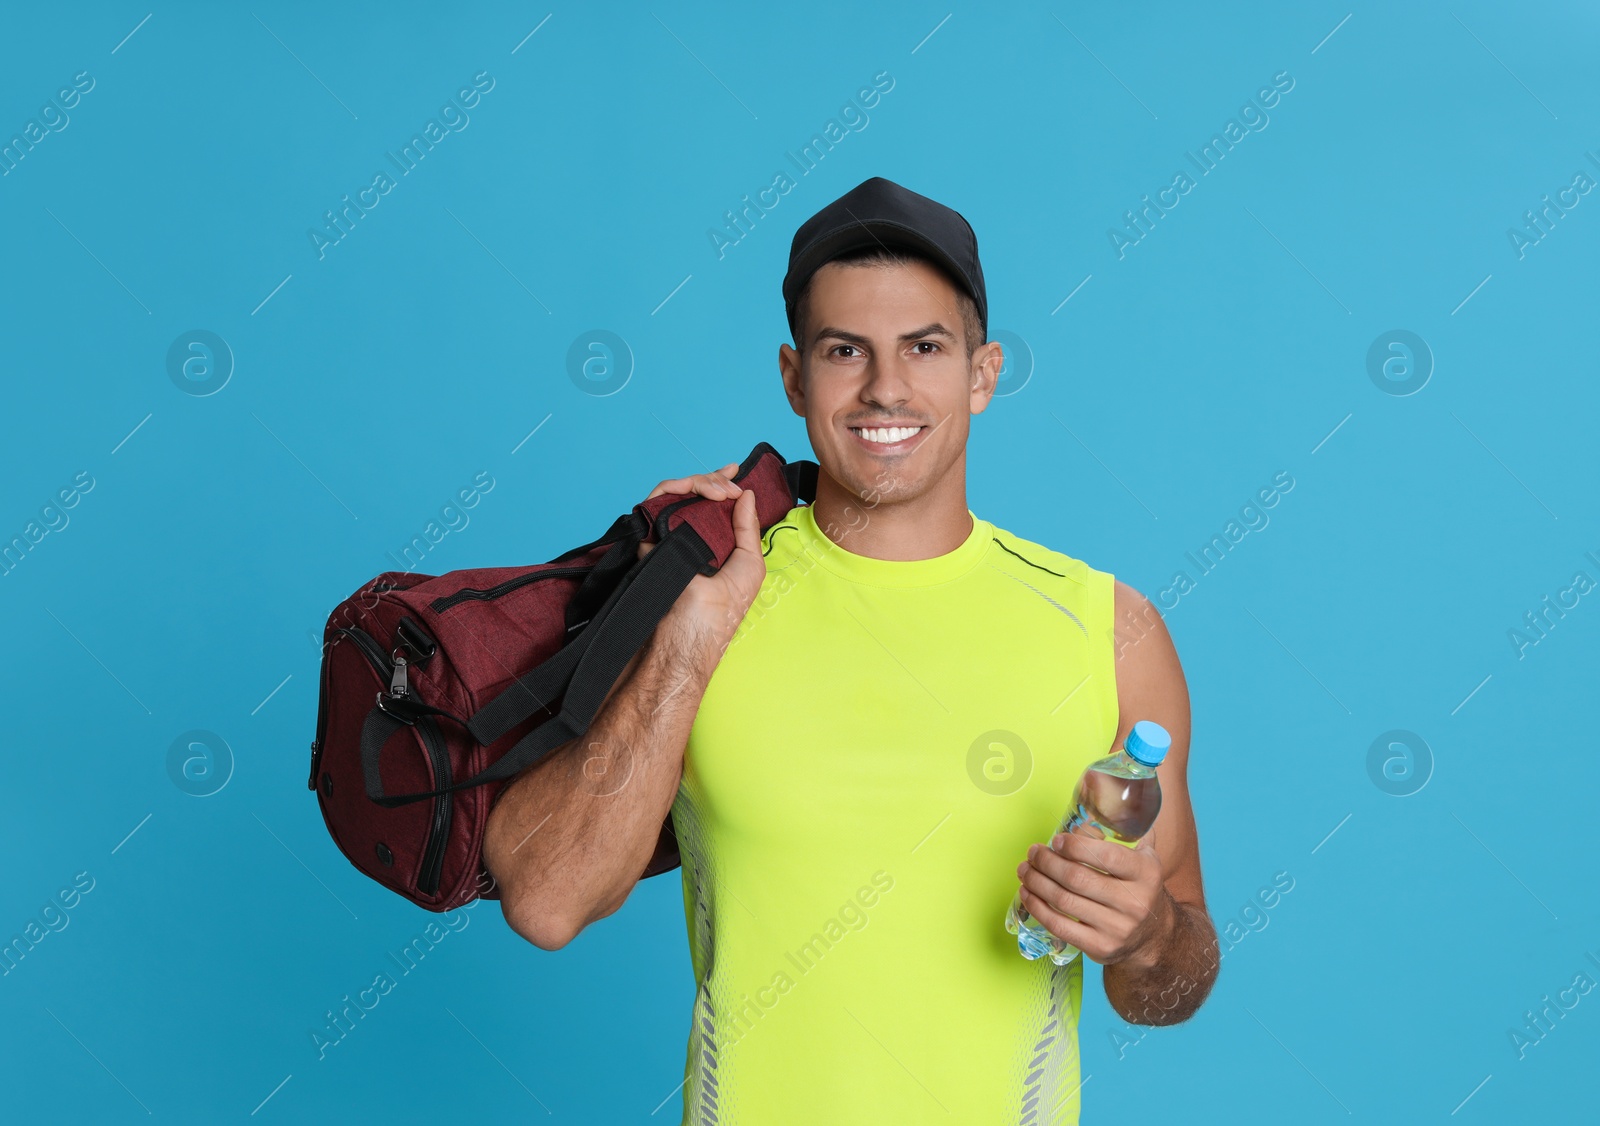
541,685
802,478
535,689
648,593
602,578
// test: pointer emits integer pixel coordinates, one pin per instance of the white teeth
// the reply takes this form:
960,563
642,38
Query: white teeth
888,435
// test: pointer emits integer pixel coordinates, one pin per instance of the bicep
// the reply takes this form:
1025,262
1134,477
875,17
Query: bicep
1151,685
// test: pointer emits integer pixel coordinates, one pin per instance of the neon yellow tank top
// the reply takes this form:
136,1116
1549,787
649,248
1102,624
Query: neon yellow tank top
880,743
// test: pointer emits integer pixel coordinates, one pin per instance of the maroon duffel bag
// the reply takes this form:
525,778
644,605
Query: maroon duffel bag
437,690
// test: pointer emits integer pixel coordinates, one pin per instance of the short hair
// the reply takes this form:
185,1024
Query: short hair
971,324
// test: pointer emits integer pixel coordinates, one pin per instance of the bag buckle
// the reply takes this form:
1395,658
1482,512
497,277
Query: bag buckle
397,707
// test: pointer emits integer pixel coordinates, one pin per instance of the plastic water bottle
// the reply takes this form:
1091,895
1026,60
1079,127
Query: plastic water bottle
1118,798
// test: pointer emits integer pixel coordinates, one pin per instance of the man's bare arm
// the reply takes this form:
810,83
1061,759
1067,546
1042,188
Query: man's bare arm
1175,986
569,838
1169,979
1139,912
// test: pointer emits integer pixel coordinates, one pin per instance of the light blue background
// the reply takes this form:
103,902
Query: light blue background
425,347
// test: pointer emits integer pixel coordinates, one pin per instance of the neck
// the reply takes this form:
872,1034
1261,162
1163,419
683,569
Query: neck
881,525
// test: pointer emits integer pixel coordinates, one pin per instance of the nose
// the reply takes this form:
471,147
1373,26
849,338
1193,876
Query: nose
888,384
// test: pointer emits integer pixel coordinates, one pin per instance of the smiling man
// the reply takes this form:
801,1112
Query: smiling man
861,770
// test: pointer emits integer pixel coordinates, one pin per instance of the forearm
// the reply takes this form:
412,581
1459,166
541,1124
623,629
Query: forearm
570,837
1172,987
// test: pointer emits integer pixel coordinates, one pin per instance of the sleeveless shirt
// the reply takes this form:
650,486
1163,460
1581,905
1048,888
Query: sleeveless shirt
878,746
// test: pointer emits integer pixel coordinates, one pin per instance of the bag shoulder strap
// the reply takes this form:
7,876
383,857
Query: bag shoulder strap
650,592
543,684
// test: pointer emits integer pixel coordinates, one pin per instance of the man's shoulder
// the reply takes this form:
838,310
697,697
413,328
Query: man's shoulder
790,522
1031,556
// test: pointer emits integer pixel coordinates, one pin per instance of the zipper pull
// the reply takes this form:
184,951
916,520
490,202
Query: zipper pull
398,687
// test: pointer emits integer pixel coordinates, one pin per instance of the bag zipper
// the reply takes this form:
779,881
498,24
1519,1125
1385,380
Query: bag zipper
370,649
374,654
322,720
322,691
443,808
488,594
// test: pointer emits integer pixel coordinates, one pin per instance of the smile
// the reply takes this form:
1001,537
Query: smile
888,438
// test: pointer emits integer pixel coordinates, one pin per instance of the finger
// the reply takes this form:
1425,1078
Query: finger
1067,930
716,485
1065,895
1108,856
713,486
676,485
1144,846
1078,877
746,524
1069,864
723,480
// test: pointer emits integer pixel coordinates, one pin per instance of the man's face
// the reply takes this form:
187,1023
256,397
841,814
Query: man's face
885,349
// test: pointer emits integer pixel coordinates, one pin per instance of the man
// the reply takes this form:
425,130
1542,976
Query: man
859,724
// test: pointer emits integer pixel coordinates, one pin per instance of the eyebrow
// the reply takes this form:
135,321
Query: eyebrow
831,333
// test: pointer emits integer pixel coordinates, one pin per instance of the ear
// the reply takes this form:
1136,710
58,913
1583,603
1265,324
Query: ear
791,369
987,360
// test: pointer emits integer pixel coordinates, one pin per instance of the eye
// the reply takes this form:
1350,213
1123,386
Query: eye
836,347
929,343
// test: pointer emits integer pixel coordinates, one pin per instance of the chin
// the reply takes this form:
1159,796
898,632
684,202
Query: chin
876,484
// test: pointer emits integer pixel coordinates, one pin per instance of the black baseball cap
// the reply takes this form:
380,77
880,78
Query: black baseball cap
879,212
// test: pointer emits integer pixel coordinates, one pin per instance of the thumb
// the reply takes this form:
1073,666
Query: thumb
746,524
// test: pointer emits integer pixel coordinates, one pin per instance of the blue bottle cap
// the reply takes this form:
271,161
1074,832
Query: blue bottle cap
1147,743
